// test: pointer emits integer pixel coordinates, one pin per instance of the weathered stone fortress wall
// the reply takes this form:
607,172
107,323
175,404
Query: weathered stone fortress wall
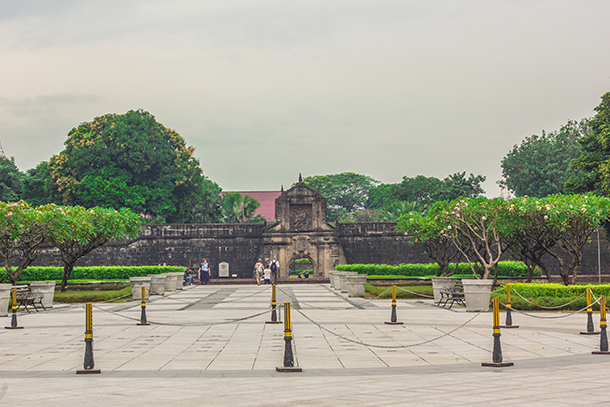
241,245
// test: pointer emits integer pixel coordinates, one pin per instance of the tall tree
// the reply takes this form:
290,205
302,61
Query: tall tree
131,161
594,163
38,185
540,165
418,189
433,231
10,180
345,193
457,185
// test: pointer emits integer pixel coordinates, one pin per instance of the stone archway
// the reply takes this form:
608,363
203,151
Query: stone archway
301,231
302,256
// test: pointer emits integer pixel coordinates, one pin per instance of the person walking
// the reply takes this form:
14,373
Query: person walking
204,272
267,276
258,271
274,266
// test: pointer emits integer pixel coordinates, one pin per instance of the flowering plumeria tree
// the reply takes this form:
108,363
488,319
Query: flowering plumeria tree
22,230
478,227
572,219
76,231
431,230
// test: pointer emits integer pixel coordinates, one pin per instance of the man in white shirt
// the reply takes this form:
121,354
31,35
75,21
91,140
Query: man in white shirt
274,266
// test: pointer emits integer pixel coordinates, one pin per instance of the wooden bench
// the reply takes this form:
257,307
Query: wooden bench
26,298
452,295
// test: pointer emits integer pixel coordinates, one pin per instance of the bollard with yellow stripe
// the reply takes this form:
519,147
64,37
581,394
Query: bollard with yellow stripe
603,338
590,328
496,355
14,311
143,320
273,308
89,365
288,356
509,317
393,319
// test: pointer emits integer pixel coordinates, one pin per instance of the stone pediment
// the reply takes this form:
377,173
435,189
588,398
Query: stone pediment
301,209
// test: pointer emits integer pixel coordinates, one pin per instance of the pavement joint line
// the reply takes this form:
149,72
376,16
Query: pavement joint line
342,297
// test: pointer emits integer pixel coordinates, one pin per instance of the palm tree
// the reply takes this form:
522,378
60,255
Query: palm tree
237,208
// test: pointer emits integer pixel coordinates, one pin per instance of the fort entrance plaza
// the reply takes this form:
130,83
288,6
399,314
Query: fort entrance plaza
211,345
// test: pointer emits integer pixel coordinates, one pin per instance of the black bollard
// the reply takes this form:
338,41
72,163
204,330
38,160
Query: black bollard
509,317
88,366
393,318
14,311
603,338
590,329
288,356
496,356
143,320
273,308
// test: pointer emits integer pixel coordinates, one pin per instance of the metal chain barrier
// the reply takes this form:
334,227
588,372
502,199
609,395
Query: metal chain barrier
212,302
549,308
369,345
231,321
334,309
567,314
413,292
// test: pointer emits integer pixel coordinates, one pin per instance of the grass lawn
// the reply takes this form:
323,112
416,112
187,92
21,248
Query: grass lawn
78,293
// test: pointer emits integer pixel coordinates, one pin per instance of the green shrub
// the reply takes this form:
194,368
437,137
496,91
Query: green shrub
505,269
89,273
554,290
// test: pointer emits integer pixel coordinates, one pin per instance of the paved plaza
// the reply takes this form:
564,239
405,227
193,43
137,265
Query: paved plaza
210,345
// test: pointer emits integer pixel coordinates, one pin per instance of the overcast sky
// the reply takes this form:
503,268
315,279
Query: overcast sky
268,89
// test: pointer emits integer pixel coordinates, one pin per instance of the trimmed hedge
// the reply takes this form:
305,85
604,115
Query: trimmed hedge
89,273
505,269
537,290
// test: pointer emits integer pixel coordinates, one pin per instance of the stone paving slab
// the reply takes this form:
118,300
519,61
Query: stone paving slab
195,357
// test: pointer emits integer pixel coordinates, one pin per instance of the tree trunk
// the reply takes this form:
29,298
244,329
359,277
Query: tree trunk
68,267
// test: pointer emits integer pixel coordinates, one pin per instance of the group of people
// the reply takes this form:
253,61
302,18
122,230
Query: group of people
203,273
266,274
263,274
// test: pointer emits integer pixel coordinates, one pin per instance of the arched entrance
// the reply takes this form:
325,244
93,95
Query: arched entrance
301,265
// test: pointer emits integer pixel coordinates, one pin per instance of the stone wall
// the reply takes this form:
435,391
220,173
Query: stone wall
241,245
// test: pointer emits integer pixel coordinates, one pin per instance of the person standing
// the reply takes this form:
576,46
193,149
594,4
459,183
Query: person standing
258,271
274,266
204,272
267,276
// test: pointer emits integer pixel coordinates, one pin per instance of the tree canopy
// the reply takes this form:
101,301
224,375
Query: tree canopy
11,184
594,163
345,193
540,165
131,161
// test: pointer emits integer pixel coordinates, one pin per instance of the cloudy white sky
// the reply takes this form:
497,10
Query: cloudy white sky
267,89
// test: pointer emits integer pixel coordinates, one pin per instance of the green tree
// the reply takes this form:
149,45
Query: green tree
478,228
10,180
433,231
22,230
572,219
345,193
37,185
381,195
237,208
593,166
76,231
130,161
419,189
457,185
540,165
395,210
208,205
